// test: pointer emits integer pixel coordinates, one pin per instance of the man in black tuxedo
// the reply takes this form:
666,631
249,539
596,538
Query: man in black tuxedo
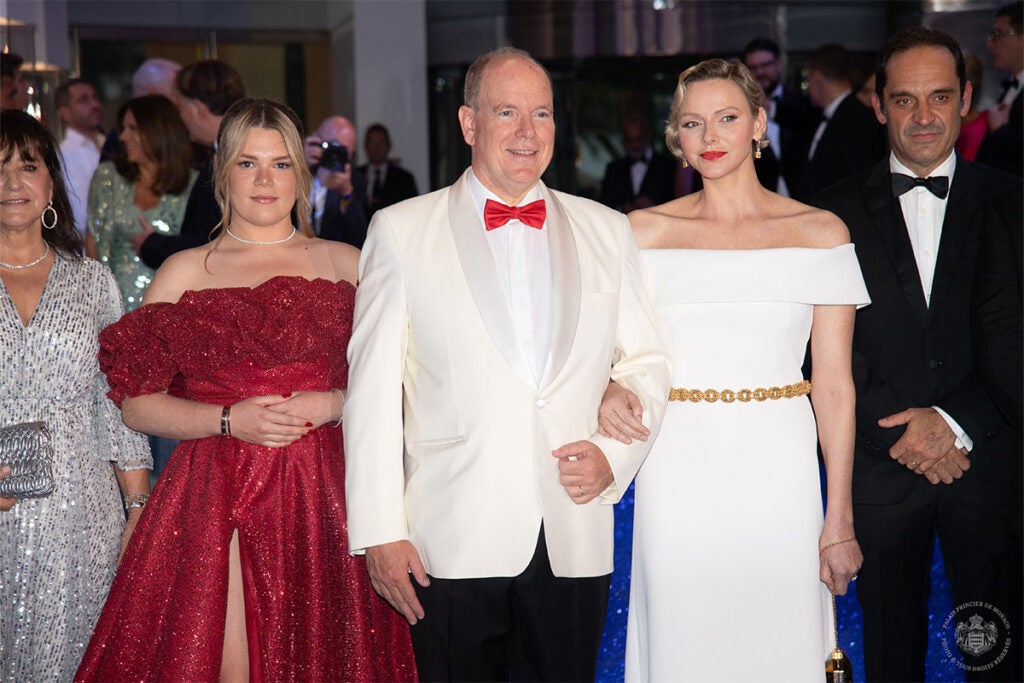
642,178
1003,146
791,118
339,191
848,139
205,91
933,453
387,182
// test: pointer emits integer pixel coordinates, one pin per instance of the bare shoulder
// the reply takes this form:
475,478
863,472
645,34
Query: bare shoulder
181,272
650,225
816,228
344,257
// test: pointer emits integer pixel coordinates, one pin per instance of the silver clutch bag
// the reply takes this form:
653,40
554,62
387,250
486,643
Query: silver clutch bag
27,449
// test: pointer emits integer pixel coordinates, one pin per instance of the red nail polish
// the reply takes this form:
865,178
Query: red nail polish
287,394
309,424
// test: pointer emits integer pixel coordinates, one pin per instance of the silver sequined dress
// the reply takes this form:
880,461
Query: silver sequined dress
58,554
114,219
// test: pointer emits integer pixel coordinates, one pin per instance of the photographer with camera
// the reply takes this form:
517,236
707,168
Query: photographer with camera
339,190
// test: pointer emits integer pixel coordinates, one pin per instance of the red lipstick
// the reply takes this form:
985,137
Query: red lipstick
712,156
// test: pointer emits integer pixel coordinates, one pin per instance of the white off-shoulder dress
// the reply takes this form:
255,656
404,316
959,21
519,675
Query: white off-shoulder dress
728,503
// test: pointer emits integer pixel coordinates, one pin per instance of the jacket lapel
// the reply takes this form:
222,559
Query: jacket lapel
965,198
479,270
892,231
565,285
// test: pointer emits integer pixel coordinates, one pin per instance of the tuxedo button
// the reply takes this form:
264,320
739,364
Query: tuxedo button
541,402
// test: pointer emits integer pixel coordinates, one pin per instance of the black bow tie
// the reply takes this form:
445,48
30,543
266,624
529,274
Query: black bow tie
1009,84
638,160
937,185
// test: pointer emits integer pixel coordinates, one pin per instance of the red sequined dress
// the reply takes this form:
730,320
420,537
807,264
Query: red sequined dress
311,614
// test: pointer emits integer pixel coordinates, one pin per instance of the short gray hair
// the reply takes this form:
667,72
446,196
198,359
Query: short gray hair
475,75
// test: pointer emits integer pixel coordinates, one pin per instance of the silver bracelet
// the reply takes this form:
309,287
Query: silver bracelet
135,500
343,399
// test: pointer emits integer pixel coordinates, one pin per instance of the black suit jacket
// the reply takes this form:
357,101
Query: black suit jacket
907,354
658,183
202,214
399,185
852,141
797,119
347,226
1004,148
998,325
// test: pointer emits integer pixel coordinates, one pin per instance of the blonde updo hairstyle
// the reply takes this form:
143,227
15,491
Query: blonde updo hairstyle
241,117
709,70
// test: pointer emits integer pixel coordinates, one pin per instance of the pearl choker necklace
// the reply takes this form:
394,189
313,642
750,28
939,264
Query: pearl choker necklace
245,241
39,260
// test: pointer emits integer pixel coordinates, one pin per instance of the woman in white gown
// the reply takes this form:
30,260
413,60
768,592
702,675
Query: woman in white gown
732,559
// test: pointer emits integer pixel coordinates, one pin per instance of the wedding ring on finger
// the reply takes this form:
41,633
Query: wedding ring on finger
913,464
853,578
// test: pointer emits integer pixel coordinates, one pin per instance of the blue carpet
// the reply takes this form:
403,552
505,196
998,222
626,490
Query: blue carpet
610,666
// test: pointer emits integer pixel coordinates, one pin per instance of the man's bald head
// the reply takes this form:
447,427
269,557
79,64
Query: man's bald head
155,77
338,128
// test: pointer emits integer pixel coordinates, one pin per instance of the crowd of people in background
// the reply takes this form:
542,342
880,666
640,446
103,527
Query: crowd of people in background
190,274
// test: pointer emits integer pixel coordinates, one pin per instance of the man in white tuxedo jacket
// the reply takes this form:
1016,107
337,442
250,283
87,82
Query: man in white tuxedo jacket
490,316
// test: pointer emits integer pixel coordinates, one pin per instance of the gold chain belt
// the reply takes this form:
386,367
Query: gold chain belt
743,395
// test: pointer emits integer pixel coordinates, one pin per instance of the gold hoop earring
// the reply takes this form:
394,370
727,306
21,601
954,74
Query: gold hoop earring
42,218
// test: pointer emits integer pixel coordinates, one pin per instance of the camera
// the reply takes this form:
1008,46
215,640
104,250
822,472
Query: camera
334,157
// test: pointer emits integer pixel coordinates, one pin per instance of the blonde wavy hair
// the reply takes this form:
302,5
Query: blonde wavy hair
241,117
708,70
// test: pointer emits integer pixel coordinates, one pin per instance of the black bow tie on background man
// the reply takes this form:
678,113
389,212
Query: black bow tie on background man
937,185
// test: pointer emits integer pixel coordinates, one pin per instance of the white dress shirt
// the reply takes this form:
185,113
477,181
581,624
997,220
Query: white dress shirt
923,214
378,172
1011,93
81,156
829,112
522,262
638,169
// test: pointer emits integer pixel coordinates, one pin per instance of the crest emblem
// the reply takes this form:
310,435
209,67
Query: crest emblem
976,636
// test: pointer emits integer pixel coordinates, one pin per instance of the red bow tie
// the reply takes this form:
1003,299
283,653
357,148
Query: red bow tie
497,214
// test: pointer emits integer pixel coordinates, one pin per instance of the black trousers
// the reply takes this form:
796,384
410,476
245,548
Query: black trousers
531,627
895,581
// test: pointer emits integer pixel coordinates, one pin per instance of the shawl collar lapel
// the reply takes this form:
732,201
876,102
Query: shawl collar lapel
966,194
565,285
481,278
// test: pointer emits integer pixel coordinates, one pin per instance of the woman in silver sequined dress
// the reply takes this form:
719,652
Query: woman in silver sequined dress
145,187
57,553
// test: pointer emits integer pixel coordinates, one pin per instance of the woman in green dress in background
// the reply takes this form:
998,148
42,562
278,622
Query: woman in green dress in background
149,181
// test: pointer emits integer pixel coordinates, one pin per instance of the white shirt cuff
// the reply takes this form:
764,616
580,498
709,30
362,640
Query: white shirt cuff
962,440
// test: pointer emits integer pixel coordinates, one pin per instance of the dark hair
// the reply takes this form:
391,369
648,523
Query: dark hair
1013,13
378,128
260,112
909,39
22,134
475,75
213,82
759,44
62,97
164,138
10,62
832,61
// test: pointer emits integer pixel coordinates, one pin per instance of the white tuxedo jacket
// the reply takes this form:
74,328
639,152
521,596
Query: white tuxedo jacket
448,438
